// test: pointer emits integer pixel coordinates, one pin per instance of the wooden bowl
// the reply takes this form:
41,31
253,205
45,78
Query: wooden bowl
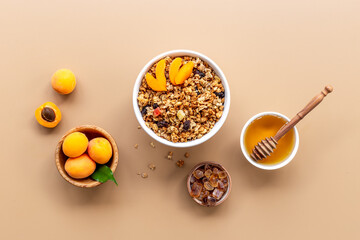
91,132
226,194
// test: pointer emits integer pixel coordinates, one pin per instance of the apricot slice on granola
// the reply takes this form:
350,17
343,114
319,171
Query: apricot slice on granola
184,73
159,83
174,69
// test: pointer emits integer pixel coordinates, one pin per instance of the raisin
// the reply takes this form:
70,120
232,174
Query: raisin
186,125
144,110
155,105
197,90
162,124
201,74
220,94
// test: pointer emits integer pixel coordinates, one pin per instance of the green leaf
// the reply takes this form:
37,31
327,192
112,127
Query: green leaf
102,174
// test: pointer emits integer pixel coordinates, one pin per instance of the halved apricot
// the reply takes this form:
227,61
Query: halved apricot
48,115
184,73
174,69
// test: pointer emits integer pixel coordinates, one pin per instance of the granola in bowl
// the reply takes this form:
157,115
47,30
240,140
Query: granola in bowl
184,108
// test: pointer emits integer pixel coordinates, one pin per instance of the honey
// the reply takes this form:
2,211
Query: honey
267,126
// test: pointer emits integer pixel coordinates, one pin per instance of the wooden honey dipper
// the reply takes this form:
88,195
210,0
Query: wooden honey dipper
265,147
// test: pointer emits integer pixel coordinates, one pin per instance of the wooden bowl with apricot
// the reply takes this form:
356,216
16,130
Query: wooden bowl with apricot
82,151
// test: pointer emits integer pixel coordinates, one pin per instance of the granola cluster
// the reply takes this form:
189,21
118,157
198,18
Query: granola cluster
188,111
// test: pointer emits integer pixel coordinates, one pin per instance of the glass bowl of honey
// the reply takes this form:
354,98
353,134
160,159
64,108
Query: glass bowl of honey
261,126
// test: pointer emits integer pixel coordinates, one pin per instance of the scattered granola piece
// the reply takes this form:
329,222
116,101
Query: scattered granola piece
169,156
139,127
187,155
138,173
152,166
180,163
144,175
152,144
136,146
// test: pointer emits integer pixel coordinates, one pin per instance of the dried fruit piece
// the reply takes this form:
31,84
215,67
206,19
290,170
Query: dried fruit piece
144,110
201,74
162,124
155,84
220,94
48,115
198,174
184,73
157,112
174,69
180,114
196,189
186,125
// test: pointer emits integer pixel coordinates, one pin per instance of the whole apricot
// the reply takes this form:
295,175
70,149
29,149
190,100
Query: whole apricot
75,144
80,167
63,81
100,150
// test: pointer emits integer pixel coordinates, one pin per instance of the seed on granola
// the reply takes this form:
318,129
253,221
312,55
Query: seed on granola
169,156
180,114
144,175
151,166
144,110
187,155
220,94
136,146
180,163
152,144
186,125
162,123
201,74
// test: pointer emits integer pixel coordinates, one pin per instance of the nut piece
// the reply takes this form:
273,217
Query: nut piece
152,144
180,114
152,166
180,163
136,146
187,155
169,156
144,175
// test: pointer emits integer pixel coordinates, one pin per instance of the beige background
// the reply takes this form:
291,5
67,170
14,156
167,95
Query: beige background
276,56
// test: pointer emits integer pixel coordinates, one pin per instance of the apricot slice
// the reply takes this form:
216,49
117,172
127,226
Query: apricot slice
174,69
80,167
48,115
100,150
63,81
160,71
159,83
75,144
184,73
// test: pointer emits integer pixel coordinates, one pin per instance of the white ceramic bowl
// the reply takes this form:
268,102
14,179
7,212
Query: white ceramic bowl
268,166
176,53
